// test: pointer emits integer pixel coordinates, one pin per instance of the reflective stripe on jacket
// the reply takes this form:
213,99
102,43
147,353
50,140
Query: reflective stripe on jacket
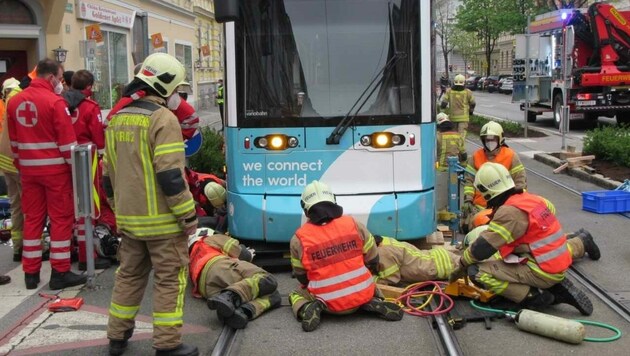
333,259
544,235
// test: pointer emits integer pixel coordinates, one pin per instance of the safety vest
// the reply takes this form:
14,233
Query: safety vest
201,256
544,235
504,157
449,146
332,256
220,95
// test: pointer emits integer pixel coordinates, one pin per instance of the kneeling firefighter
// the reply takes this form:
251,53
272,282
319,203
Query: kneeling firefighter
534,255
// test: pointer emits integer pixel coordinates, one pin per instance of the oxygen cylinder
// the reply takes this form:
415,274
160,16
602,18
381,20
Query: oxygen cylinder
550,326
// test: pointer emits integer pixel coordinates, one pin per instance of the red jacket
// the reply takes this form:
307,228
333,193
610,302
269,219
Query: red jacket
87,120
40,130
332,256
186,114
544,234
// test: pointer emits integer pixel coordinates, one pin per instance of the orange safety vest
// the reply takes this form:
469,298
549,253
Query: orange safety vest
504,157
332,256
544,235
200,254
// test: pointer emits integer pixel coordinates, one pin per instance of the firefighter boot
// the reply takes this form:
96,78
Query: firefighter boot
537,299
31,280
311,315
566,292
385,310
118,347
61,280
181,350
247,312
590,247
99,263
225,303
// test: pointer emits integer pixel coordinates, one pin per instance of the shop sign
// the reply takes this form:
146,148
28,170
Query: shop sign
93,32
156,40
101,14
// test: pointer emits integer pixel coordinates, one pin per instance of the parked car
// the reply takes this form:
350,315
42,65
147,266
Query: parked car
505,85
492,83
471,83
480,83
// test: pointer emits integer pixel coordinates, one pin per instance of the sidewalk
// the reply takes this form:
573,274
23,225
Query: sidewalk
210,117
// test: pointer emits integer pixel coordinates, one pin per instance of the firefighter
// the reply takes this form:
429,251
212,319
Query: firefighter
461,103
332,254
449,142
222,273
403,262
534,254
41,134
219,99
143,178
88,127
7,86
494,150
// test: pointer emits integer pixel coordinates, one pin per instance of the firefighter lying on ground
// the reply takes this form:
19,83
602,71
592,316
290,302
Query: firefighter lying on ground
494,150
222,273
332,256
209,193
402,262
532,245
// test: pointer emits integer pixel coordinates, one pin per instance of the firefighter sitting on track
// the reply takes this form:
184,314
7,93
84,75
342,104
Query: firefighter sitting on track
222,272
532,246
330,256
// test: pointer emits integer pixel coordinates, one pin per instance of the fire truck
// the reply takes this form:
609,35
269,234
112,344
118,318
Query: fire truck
575,57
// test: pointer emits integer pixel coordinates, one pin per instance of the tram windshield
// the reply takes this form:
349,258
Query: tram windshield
303,59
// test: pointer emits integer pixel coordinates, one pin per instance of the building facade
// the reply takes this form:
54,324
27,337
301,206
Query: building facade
109,37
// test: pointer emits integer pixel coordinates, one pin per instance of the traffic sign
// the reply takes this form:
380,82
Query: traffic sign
193,145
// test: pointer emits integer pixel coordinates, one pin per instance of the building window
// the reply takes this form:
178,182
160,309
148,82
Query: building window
15,13
110,68
183,53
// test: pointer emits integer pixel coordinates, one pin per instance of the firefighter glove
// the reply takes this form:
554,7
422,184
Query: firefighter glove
459,272
468,208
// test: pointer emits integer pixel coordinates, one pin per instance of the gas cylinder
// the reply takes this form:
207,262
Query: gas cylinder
550,326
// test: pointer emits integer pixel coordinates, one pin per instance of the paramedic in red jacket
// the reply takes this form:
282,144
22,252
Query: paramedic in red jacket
41,134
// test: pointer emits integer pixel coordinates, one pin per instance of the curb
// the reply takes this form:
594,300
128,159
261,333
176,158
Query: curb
579,173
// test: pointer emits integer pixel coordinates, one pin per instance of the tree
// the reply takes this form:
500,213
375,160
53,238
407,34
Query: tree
444,27
466,44
489,19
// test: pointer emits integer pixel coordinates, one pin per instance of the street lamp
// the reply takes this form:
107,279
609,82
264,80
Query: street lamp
60,54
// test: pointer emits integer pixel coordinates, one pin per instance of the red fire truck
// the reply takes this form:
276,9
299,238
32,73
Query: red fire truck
577,57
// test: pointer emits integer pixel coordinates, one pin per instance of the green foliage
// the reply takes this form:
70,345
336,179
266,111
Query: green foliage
609,143
510,128
210,158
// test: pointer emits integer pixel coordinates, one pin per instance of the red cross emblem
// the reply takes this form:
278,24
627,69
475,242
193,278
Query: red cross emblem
27,114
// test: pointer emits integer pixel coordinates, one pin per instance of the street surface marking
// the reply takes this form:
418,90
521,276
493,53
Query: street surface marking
521,140
14,293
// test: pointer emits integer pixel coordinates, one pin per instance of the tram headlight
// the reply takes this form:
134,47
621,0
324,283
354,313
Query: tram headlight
276,142
382,140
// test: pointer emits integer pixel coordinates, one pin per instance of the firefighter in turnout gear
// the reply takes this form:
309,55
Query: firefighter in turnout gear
461,104
494,150
222,273
449,142
402,262
332,256
41,134
155,213
533,248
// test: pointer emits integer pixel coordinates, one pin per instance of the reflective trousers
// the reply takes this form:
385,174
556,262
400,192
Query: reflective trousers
169,260
42,196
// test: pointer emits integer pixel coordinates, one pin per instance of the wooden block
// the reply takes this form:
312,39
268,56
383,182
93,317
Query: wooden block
580,163
581,158
389,291
561,168
442,228
565,155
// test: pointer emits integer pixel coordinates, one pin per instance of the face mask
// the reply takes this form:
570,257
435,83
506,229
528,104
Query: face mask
492,145
174,101
58,88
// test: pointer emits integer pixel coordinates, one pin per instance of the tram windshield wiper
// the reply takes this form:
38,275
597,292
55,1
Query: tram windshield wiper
340,129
